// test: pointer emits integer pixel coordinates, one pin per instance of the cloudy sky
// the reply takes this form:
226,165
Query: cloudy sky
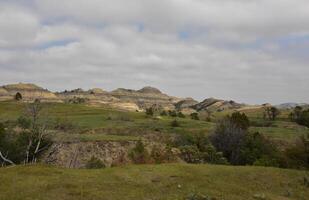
252,51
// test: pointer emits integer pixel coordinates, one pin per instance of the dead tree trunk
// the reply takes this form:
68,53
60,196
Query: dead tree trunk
6,159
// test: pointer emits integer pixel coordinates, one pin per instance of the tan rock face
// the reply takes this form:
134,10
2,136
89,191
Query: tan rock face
187,103
214,105
76,155
145,97
29,92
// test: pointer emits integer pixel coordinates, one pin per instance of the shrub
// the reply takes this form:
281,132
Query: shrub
258,150
241,147
181,115
24,122
198,149
18,96
78,100
228,138
172,113
162,155
149,111
191,154
163,113
240,120
175,123
94,163
304,118
139,154
297,155
194,116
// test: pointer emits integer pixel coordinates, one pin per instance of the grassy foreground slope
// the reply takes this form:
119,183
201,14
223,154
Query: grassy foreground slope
172,181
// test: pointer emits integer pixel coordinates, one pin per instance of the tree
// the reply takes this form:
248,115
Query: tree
36,137
240,120
271,113
303,118
3,146
297,155
228,139
18,96
239,146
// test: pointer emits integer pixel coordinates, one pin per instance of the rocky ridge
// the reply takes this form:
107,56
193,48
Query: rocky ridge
121,98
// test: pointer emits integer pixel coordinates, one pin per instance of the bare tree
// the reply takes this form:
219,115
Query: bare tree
37,132
5,159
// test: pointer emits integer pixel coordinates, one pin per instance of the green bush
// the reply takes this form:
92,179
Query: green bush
172,113
163,113
198,149
304,118
24,122
94,163
297,155
240,120
175,123
149,111
139,154
181,115
241,147
18,96
162,155
194,116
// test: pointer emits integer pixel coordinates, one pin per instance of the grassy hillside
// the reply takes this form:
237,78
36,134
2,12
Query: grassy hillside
174,181
115,122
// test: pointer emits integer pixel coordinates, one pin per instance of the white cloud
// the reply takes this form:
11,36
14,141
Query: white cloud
18,27
230,48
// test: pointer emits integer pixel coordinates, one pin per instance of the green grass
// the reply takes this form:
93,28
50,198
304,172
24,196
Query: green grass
134,123
282,130
87,117
171,181
65,137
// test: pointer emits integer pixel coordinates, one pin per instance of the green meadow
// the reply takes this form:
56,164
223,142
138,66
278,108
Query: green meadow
166,181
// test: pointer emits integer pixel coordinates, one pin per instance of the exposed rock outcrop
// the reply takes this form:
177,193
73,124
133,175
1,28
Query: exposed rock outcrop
213,105
29,93
145,97
76,155
186,106
111,153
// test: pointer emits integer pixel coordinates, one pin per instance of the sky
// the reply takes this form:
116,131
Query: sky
251,51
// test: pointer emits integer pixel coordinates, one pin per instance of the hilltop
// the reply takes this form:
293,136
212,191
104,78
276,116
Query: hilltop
29,92
121,98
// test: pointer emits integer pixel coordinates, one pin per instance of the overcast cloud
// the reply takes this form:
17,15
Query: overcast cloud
252,51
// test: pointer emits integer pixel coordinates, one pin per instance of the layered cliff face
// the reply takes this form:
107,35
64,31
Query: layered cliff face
186,105
146,97
28,92
4,94
111,153
76,155
217,105
94,95
125,99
